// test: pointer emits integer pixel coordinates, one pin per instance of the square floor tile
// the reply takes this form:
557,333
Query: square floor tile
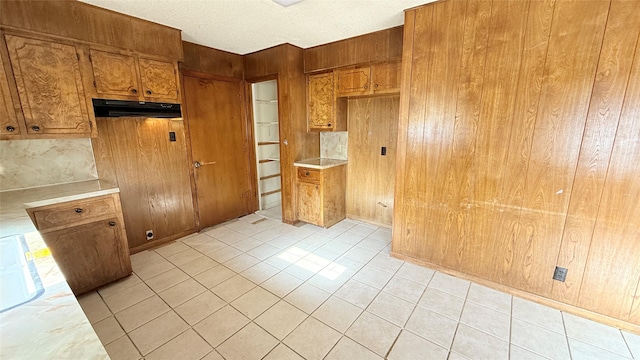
123,299
218,231
415,273
241,262
184,257
593,333
219,326
282,352
155,268
307,297
487,320
94,308
490,298
312,339
249,343
337,313
122,349
281,319
186,346
144,257
538,314
633,341
198,265
405,289
141,313
304,268
198,308
224,254
475,344
443,303
158,331
182,292
166,280
212,277
108,330
247,244
232,238
255,302
349,349
386,262
233,288
357,293
410,346
450,284
539,340
584,351
360,254
122,284
434,327
524,354
374,333
260,272
171,248
210,247
373,244
263,251
373,277
391,308
281,284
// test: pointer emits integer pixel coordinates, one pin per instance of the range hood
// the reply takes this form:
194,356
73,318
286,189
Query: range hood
120,108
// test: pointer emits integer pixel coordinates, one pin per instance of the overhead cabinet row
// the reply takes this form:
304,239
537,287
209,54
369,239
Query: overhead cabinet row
47,86
327,93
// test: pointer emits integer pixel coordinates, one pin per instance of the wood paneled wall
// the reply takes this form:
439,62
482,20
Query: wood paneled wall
373,123
285,61
212,61
152,174
518,147
379,46
84,22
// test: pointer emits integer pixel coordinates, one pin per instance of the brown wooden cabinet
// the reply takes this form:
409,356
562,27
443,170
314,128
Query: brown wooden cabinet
124,75
325,112
87,239
50,87
10,124
321,195
353,81
385,78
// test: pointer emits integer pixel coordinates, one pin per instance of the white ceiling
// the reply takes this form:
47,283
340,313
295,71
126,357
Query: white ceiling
245,26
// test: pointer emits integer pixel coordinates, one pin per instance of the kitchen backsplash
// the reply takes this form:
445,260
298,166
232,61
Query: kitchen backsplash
333,145
31,163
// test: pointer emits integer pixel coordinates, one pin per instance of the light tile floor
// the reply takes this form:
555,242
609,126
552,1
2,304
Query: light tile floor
255,288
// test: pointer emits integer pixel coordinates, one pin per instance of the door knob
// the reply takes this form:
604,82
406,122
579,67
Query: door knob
197,164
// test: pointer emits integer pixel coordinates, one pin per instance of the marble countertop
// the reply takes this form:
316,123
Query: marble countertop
319,163
52,324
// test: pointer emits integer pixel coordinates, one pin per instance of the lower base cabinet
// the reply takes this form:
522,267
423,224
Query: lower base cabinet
320,195
87,240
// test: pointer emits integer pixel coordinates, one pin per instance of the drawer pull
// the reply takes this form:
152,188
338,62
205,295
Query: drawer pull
11,128
149,92
307,173
35,128
134,91
112,223
78,210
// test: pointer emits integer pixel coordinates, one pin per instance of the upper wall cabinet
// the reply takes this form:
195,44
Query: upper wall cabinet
352,82
324,112
385,78
50,88
121,75
9,121
376,79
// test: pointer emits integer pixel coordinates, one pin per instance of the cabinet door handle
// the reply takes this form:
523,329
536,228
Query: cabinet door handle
149,92
307,173
375,86
78,210
112,223
35,128
366,86
134,91
11,128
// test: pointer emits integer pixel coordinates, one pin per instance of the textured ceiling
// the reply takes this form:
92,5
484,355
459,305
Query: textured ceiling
245,26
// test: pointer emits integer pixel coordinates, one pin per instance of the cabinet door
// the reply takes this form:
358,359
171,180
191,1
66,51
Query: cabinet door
320,102
50,86
8,118
159,79
309,203
114,74
350,82
385,78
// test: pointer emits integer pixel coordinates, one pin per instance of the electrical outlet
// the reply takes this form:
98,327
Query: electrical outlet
149,234
560,274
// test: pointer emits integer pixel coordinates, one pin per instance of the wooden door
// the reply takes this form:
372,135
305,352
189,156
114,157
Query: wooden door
115,74
351,82
8,118
214,110
159,79
309,203
50,86
320,101
373,125
385,78
90,255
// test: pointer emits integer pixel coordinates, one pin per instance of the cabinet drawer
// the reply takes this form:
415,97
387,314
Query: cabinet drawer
73,212
309,175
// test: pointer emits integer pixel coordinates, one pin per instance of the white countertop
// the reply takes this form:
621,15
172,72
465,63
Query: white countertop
52,325
319,163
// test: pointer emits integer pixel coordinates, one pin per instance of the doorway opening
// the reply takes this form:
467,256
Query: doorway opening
266,131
